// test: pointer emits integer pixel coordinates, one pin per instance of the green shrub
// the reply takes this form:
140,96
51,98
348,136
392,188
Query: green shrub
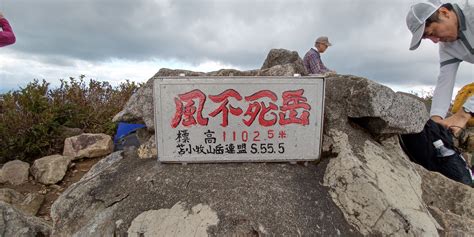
31,118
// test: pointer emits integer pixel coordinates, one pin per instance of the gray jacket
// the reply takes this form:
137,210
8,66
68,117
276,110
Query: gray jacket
451,54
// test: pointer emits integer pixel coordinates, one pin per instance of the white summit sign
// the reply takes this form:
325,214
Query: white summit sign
238,119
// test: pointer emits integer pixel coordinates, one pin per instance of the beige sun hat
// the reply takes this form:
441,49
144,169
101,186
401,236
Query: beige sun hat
323,40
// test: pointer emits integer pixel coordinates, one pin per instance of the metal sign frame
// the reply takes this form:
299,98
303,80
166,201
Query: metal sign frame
176,98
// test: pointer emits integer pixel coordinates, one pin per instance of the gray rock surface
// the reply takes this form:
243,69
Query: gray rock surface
14,172
50,169
29,203
139,108
452,203
377,188
176,221
15,223
88,145
282,57
371,181
266,199
233,72
69,217
10,196
148,149
378,108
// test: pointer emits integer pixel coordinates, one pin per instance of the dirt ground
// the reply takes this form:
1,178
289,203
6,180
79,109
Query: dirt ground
75,172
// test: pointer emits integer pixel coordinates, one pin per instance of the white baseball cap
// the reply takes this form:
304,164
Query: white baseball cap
417,17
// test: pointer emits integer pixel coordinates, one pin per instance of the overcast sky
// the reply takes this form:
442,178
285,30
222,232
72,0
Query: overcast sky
114,40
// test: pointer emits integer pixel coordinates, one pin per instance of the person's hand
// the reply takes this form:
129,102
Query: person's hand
1,15
455,123
436,119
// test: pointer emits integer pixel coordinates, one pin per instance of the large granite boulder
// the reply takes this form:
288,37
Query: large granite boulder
88,145
371,181
139,108
376,107
450,203
124,193
284,57
15,172
50,169
16,223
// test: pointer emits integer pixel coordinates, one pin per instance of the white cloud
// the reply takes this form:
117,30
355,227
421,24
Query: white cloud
18,71
115,40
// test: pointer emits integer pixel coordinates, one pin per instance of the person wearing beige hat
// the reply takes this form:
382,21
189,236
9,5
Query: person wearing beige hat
452,27
312,59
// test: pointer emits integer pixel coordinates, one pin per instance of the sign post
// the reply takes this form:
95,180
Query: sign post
238,119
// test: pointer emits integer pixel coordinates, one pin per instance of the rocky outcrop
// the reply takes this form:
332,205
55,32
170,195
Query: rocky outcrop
15,223
371,181
451,203
50,169
379,109
284,58
88,145
139,108
364,185
14,172
253,199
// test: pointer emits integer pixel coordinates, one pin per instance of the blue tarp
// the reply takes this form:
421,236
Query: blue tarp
124,129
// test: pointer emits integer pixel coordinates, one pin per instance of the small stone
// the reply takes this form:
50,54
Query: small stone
15,172
50,169
55,186
118,223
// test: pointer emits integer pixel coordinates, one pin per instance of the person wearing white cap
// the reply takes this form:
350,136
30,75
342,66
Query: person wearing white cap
312,59
453,28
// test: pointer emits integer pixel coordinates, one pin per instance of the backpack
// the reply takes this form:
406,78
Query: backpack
420,149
